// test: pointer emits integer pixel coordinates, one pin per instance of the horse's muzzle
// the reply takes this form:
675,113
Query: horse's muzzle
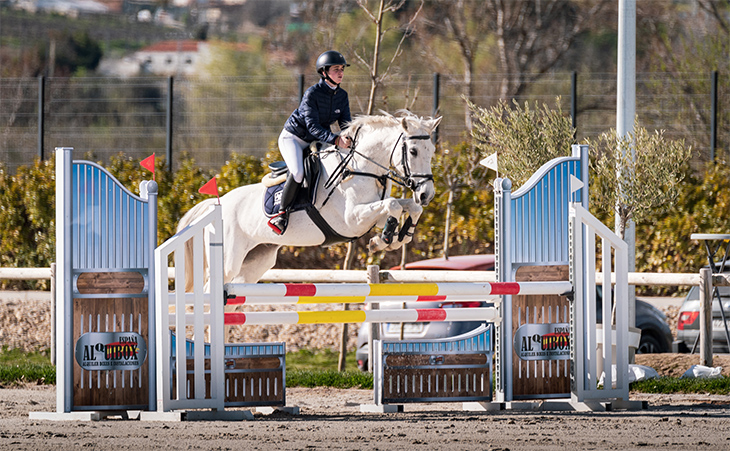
424,194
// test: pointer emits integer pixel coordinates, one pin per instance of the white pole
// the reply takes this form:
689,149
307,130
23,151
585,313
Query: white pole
626,113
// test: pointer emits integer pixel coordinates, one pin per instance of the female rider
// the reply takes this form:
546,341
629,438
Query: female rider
322,105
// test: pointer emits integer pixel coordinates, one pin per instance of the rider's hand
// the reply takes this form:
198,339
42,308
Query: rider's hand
343,141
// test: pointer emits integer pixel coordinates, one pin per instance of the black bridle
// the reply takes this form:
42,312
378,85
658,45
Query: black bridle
409,180
406,179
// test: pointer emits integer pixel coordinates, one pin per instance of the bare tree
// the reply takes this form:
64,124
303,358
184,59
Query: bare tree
459,170
533,36
717,9
376,78
373,62
468,24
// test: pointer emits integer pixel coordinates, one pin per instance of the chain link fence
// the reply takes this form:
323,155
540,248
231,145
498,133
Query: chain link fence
210,118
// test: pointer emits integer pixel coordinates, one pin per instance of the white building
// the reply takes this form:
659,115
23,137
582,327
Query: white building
171,57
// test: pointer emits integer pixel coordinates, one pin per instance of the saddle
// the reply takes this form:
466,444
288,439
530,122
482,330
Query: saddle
306,197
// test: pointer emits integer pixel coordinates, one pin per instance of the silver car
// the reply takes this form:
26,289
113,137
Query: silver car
656,336
411,331
688,321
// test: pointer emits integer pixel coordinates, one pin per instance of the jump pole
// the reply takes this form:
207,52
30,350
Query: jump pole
302,293
356,316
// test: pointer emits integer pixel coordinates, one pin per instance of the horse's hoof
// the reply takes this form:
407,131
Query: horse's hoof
375,245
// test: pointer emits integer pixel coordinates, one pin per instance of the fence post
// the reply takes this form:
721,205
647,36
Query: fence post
574,100
436,94
301,87
713,116
41,122
53,313
169,123
705,317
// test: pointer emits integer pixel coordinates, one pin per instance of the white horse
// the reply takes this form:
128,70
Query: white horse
353,196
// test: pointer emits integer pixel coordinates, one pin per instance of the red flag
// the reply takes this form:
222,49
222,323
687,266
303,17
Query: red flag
149,164
211,187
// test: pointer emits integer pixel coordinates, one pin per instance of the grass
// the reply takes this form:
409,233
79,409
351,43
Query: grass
667,385
307,368
17,366
320,359
329,378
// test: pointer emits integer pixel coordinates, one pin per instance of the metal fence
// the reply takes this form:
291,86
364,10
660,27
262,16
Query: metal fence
212,117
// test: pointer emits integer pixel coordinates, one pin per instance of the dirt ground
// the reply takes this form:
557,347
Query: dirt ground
331,419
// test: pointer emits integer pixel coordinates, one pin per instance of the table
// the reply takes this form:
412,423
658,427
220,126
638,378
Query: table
714,243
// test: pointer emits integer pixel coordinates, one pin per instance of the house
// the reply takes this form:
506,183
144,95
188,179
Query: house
171,57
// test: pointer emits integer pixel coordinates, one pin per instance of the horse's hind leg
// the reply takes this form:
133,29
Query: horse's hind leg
251,265
258,260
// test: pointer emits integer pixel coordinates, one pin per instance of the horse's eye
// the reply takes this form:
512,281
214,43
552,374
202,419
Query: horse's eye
413,151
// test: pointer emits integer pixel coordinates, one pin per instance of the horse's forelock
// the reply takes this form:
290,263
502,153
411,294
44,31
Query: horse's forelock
415,123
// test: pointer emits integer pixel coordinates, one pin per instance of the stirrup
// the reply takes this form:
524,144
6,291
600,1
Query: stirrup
279,222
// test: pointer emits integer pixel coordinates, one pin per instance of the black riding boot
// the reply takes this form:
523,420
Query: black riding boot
279,222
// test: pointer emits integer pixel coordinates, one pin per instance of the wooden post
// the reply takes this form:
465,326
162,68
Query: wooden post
373,275
705,317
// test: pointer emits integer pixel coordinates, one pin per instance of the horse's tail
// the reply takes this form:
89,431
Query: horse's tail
185,221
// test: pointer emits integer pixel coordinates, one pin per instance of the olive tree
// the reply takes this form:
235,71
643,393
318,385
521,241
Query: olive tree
635,184
523,137
632,176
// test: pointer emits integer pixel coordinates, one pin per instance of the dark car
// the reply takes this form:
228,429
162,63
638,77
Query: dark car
688,321
656,336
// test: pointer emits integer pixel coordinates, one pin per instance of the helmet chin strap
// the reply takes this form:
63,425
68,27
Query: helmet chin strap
326,76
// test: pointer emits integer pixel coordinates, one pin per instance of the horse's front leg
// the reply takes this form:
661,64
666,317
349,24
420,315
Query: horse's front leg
364,216
405,234
413,211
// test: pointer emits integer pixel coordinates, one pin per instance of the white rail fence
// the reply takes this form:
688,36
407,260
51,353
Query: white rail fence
414,276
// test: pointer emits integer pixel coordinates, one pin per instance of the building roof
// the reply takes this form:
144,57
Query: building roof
173,46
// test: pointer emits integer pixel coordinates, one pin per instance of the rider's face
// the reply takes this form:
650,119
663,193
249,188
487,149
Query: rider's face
336,73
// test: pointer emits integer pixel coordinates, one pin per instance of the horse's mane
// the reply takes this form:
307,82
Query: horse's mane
382,120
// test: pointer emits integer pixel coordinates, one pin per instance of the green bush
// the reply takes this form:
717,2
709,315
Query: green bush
663,243
27,216
27,219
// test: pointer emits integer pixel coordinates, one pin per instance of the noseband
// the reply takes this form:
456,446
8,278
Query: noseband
408,179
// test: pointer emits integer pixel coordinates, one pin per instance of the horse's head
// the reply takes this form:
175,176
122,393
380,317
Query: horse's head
413,157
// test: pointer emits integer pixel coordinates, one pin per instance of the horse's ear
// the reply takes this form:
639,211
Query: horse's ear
404,124
435,123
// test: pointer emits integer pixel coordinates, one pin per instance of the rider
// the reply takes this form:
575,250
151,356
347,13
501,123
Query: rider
322,105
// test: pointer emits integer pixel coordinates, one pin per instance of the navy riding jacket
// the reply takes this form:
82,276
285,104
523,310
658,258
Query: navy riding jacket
321,106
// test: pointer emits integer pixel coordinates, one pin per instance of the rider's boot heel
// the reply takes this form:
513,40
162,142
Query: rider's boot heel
279,222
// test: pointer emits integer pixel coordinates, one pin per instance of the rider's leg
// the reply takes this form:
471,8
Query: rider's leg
292,149
279,222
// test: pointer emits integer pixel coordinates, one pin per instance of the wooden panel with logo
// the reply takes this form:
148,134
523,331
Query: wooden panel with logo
541,351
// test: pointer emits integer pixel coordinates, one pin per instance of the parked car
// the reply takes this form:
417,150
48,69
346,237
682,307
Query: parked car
392,331
656,336
688,321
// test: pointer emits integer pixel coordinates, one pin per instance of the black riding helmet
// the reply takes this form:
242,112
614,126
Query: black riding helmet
327,59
